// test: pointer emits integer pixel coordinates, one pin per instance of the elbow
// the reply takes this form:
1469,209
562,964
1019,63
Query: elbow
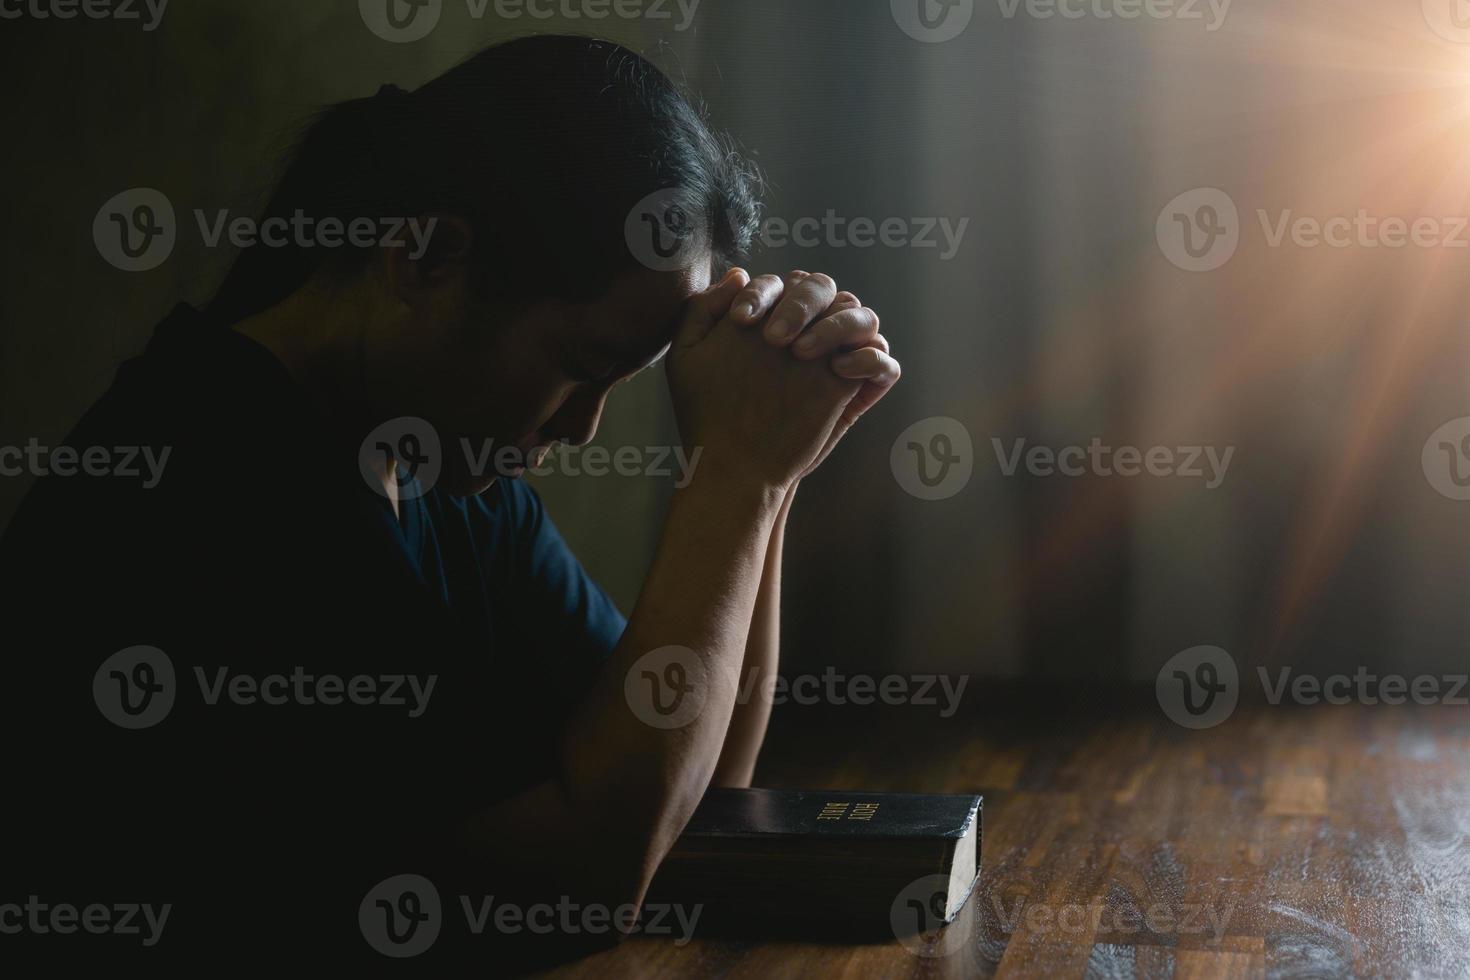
622,856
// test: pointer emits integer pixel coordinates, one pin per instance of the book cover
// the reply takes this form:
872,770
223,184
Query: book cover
798,859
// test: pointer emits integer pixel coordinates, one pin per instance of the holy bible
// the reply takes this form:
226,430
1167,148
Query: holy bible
820,859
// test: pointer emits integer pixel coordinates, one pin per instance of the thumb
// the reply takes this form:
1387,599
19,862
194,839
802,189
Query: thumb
709,307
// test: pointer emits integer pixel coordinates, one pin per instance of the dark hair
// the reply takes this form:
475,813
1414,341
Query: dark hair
544,144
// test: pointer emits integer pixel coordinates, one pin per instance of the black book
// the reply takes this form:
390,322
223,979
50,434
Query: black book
808,859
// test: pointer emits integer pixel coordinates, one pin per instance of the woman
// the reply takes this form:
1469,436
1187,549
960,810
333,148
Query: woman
310,681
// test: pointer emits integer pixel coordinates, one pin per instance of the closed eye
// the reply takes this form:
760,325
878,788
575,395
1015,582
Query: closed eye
616,371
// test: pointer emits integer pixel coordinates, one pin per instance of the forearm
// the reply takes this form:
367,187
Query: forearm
628,784
641,781
752,711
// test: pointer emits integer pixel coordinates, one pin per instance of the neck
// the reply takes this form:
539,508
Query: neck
319,335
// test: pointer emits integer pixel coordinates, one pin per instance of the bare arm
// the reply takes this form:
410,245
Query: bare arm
762,661
641,781
812,305
714,589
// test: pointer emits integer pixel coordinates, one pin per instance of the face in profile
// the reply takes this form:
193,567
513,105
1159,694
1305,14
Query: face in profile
501,389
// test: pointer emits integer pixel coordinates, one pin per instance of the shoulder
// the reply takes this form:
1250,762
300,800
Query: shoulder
509,503
509,518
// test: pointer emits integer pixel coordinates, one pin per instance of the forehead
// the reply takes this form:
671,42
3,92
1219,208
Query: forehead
637,317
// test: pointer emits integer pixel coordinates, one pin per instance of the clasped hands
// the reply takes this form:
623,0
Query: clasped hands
769,373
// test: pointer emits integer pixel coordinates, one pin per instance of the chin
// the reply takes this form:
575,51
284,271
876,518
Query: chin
472,487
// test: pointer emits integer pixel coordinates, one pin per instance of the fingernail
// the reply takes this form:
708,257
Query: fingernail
778,330
844,363
745,310
806,344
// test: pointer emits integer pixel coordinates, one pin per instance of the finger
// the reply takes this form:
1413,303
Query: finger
882,373
868,396
848,330
709,307
803,302
869,364
757,299
847,301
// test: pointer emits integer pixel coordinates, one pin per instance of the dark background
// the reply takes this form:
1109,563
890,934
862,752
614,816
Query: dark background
1059,320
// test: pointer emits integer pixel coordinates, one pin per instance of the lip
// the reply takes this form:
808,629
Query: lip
531,457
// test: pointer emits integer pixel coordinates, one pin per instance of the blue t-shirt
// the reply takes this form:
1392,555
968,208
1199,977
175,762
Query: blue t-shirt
346,685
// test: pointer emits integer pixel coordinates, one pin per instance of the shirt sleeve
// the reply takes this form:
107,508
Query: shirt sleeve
565,605
550,626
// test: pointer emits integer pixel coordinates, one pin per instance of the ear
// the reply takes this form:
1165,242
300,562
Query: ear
426,255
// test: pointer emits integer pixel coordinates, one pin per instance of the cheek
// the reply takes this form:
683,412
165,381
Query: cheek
531,403
490,389
510,404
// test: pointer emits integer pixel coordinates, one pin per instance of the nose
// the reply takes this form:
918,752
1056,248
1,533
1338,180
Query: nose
575,423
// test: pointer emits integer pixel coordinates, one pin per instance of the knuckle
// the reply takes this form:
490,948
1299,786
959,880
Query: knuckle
854,322
763,289
814,301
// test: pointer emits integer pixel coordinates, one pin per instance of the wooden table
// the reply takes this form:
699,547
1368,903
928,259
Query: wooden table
1287,842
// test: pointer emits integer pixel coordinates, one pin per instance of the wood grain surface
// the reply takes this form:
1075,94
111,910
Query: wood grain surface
1287,842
